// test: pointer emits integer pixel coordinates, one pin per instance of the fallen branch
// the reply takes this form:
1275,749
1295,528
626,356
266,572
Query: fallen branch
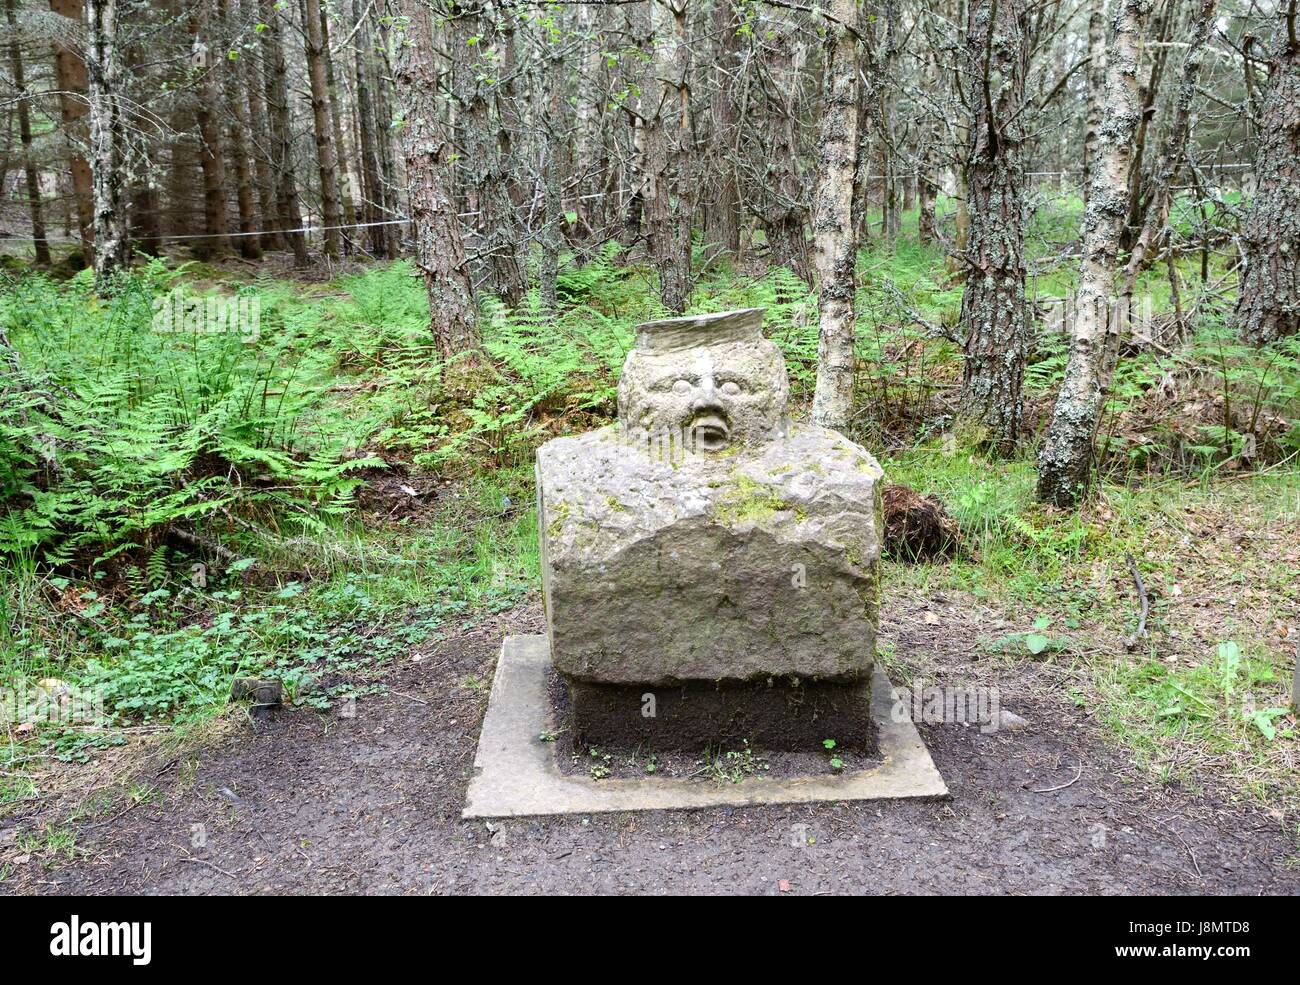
211,546
210,865
1132,642
1062,786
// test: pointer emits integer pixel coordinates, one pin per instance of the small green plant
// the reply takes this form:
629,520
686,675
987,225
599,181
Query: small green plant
599,769
733,765
53,843
1036,642
836,762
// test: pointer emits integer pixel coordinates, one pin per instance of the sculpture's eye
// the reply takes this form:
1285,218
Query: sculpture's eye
731,388
682,386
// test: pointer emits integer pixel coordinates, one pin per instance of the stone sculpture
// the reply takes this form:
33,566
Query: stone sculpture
709,567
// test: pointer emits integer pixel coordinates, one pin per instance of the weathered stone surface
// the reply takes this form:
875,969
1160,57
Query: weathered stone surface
705,539
704,382
515,775
662,564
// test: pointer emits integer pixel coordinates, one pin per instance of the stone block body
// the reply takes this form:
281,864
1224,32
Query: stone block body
710,567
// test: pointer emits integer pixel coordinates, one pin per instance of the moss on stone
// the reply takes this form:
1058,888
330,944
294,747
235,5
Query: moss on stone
559,513
748,501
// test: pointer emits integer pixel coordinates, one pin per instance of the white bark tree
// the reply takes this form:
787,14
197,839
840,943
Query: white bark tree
108,150
835,242
1066,458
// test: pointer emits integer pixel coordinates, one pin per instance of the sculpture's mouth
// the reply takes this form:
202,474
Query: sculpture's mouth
710,431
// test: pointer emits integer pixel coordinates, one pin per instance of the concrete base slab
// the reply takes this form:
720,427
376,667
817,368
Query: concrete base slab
516,775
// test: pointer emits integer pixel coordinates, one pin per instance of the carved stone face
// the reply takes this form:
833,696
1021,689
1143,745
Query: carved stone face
712,379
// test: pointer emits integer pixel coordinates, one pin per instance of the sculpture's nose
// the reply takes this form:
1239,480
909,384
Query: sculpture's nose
706,394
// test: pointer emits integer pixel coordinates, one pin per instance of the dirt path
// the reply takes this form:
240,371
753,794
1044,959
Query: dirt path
318,803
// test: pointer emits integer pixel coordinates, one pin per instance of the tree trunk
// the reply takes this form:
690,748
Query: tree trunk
146,216
1148,93
1096,92
107,140
372,192
557,173
1065,460
146,229
30,176
722,212
834,236
439,252
212,153
282,164
74,86
670,191
927,225
237,131
887,86
993,317
323,125
343,158
252,85
1159,193
391,178
182,172
499,237
779,200
1268,294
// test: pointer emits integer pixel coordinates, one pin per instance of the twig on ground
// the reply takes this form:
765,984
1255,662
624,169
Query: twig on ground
210,546
1132,642
408,697
1190,854
210,865
1062,786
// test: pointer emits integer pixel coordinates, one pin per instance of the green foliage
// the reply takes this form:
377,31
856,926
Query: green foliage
1216,695
126,454
113,432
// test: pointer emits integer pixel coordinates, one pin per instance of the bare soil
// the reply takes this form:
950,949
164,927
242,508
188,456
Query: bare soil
308,802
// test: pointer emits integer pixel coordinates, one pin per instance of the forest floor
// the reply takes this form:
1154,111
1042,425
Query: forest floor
1162,763
309,802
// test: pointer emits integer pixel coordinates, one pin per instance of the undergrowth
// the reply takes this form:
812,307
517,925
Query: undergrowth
181,508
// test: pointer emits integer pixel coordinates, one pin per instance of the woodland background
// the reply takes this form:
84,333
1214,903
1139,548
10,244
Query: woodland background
1041,257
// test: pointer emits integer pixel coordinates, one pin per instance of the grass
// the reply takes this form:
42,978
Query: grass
129,456
1204,697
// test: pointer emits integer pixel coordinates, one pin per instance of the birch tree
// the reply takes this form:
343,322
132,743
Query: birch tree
834,235
107,138
1065,460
